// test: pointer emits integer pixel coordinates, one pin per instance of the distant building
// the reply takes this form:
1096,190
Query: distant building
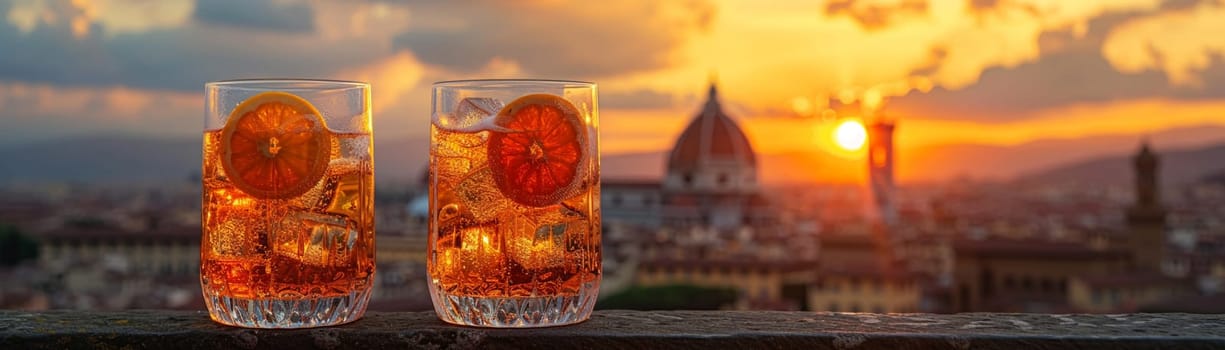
757,281
880,172
165,251
1146,219
858,273
22,211
711,175
1045,276
401,257
1147,279
1023,276
631,202
401,248
706,222
710,180
1123,292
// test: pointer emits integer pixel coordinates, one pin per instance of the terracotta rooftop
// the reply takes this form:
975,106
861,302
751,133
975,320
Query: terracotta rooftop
866,271
791,265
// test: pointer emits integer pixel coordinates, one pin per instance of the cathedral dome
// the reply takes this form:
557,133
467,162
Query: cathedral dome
711,138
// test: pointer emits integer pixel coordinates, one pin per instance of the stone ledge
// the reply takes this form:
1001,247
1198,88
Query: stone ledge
628,329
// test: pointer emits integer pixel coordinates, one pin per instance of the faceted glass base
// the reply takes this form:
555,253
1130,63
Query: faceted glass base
514,312
291,313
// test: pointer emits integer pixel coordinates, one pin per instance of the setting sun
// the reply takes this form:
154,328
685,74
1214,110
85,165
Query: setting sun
850,135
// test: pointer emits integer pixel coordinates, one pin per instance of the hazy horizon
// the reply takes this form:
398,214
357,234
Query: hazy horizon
117,157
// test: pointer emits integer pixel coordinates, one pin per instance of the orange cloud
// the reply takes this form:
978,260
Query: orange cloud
133,16
1080,120
391,78
51,110
336,20
74,16
873,14
771,55
555,39
623,131
1179,43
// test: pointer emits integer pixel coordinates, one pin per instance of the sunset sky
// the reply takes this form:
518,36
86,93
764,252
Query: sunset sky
996,72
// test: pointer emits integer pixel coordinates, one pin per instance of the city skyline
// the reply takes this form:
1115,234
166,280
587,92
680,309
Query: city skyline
979,73
805,248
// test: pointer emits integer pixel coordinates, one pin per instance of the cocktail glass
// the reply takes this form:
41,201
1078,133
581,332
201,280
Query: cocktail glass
514,202
288,203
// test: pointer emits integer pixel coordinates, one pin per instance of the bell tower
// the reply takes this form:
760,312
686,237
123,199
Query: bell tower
883,206
1146,217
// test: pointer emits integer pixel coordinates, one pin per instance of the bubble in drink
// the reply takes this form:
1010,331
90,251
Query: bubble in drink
352,150
453,144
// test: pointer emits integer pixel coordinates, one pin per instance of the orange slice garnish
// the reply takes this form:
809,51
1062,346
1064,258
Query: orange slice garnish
536,155
275,145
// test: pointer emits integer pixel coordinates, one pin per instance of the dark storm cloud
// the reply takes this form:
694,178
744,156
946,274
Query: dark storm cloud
51,54
186,58
573,39
182,58
259,15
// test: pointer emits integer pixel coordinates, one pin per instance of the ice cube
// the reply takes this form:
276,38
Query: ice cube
451,220
339,191
470,250
350,178
582,205
316,238
480,250
213,173
538,238
319,197
478,196
471,115
238,235
460,145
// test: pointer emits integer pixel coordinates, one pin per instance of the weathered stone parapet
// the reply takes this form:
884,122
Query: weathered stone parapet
628,330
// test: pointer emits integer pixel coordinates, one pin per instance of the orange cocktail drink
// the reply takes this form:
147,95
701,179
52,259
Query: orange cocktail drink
287,213
514,202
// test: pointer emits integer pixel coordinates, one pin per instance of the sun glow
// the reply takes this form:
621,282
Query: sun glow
850,135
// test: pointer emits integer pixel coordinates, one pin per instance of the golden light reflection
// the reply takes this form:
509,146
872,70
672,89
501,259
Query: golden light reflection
242,202
480,251
234,199
536,250
477,239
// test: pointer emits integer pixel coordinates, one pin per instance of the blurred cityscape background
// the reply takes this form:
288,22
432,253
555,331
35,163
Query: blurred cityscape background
840,155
